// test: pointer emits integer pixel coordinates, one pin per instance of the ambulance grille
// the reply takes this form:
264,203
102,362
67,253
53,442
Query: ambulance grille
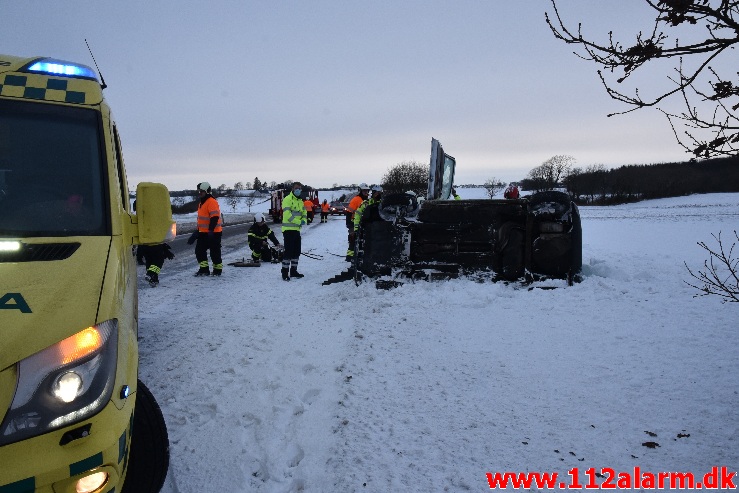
40,252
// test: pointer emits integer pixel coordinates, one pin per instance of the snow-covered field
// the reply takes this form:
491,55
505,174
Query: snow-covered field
269,386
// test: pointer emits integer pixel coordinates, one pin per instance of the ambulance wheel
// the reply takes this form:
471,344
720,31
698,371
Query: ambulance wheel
148,460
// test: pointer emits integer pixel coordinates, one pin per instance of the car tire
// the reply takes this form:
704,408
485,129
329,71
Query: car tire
148,459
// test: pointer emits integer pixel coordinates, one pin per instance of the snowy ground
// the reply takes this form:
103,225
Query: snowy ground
274,387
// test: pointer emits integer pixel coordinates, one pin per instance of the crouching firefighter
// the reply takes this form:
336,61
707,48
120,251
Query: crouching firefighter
210,231
258,235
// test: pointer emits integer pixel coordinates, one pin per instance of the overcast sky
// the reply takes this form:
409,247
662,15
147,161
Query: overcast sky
331,92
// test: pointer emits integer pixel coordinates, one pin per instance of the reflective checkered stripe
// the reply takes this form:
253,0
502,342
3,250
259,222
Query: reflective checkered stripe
28,485
23,486
47,88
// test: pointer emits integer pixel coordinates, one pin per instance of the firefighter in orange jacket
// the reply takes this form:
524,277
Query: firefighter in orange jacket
324,211
350,210
209,233
308,204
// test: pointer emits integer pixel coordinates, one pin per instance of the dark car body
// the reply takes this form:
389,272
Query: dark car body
532,237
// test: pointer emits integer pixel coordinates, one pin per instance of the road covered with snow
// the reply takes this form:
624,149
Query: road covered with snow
271,386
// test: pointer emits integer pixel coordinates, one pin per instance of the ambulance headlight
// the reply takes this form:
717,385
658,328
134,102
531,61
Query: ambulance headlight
63,384
67,386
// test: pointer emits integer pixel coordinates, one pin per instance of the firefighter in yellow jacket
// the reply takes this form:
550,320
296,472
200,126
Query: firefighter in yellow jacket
367,206
209,232
294,216
354,204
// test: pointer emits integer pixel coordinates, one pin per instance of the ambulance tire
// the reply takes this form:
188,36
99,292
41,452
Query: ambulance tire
148,460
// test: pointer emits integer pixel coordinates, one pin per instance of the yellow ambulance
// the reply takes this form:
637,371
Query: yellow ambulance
74,418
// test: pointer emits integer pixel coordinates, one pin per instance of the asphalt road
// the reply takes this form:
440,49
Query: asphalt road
233,244
234,236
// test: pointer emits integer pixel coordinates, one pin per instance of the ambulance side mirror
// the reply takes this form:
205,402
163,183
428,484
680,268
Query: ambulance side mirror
154,214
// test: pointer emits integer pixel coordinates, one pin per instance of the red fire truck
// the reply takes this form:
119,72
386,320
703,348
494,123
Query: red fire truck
275,208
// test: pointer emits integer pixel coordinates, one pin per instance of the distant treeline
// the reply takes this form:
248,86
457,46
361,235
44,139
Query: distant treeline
639,182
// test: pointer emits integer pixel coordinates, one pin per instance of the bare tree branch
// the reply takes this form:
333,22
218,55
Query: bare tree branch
719,19
720,274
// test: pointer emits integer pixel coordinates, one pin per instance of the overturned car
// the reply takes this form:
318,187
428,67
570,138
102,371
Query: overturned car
525,239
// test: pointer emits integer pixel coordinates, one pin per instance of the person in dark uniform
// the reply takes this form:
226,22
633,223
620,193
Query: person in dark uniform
259,233
153,257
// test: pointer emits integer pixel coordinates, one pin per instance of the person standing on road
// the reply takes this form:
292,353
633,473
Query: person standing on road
153,257
210,231
324,211
309,209
294,216
354,204
367,207
366,212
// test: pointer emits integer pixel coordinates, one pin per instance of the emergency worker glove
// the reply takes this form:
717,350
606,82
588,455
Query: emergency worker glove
192,238
169,255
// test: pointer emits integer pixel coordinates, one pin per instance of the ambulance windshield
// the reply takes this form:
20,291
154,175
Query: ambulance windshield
51,171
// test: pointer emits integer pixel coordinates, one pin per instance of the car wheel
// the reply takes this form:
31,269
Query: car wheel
148,460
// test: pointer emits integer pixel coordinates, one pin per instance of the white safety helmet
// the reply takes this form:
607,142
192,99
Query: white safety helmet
258,217
411,192
376,188
364,186
204,186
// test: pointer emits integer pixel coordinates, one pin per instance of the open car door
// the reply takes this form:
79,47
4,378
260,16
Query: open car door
441,173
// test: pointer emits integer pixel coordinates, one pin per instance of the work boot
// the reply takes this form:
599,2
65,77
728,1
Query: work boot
152,277
285,275
349,258
204,271
294,273
217,272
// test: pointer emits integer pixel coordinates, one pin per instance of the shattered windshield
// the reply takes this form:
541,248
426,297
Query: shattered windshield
51,171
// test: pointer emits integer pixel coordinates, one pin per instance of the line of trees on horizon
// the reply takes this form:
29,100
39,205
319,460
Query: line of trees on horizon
593,185
598,185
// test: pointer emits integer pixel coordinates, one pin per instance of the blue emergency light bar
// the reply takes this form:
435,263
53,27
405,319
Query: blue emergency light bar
59,67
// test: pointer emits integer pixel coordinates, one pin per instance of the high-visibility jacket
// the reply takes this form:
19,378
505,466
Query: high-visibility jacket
207,210
354,205
360,212
351,209
308,205
325,207
293,213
